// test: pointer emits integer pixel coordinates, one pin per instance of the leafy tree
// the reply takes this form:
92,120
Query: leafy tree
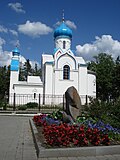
4,81
104,68
116,79
25,70
37,71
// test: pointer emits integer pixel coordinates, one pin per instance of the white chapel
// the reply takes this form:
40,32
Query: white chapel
60,70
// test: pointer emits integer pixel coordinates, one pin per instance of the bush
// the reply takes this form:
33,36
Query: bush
108,112
23,107
3,105
32,105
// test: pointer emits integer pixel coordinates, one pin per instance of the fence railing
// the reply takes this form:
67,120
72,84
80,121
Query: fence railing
44,101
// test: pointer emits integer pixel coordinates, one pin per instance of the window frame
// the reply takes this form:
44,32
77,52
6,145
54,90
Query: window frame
66,72
64,44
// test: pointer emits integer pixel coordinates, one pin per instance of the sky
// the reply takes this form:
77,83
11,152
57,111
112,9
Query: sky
30,24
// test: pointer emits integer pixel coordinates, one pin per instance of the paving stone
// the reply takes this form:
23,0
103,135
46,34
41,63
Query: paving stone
117,157
72,158
42,158
53,158
110,157
81,158
62,158
106,157
17,142
91,158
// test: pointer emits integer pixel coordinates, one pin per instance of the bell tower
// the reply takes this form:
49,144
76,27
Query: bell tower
14,71
63,36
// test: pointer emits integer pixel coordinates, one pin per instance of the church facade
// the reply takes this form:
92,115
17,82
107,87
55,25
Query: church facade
60,71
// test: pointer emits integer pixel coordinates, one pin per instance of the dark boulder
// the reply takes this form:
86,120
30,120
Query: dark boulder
73,103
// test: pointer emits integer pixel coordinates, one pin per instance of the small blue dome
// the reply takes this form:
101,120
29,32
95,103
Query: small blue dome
16,52
63,30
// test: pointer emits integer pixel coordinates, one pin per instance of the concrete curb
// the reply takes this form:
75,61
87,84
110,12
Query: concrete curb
18,115
71,152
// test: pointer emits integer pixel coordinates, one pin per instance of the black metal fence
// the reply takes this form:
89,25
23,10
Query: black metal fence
43,101
46,102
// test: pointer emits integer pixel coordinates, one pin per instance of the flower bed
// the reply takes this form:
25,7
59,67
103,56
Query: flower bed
85,132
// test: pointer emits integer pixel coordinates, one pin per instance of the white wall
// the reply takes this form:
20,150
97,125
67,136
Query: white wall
82,80
61,85
48,78
25,93
59,43
66,59
91,84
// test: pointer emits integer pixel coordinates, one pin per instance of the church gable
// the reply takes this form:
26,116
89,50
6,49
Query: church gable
65,59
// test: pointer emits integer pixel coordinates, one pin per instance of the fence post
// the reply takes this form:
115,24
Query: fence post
39,102
86,99
43,98
63,102
14,102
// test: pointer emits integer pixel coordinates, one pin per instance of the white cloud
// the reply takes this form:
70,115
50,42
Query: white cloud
34,29
16,7
5,56
2,41
15,43
103,44
68,23
3,29
13,32
22,59
71,24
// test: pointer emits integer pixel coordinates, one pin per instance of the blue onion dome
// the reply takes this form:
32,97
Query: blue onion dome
63,31
16,52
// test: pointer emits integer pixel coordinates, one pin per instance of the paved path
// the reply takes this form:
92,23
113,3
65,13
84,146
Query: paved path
108,157
16,142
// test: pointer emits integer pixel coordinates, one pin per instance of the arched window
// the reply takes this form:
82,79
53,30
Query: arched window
64,44
66,72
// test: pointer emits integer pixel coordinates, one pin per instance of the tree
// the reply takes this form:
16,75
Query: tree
4,81
27,69
116,79
104,68
37,71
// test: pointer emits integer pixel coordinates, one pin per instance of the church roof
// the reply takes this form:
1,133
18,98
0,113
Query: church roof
63,31
16,52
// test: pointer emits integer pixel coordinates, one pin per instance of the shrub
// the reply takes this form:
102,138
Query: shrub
32,105
108,112
3,105
22,107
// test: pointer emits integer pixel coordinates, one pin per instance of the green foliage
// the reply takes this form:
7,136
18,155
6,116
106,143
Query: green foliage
57,115
32,105
116,79
26,70
3,105
22,107
104,68
4,81
109,112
